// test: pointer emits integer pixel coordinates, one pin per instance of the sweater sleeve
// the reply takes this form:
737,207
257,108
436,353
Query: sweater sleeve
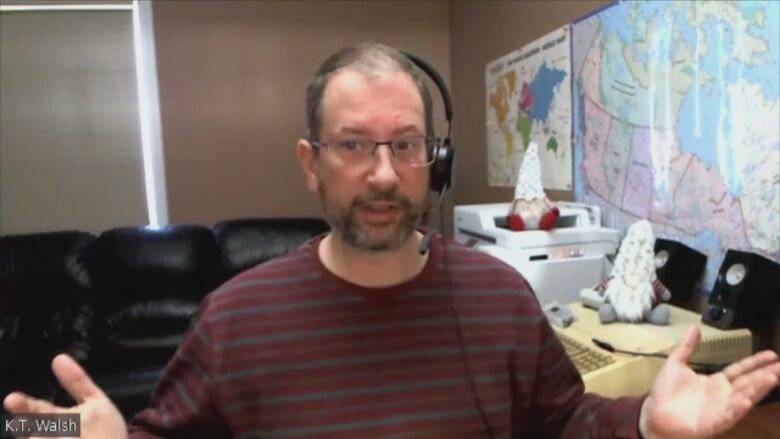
183,403
563,410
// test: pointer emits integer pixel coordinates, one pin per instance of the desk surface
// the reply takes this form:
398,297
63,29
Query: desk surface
761,423
632,375
716,345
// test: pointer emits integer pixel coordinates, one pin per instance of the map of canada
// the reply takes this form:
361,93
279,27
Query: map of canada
529,99
676,120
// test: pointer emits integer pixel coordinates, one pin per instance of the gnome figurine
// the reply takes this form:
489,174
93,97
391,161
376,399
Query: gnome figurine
531,209
633,293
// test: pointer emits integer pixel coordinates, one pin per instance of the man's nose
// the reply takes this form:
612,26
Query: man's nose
383,174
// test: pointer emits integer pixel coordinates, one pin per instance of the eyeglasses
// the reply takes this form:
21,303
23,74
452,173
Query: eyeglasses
413,151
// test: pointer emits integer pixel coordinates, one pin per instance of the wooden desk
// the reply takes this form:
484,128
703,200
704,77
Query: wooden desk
763,422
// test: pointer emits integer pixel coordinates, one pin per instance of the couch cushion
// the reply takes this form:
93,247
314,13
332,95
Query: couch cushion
150,282
45,302
150,323
244,243
43,270
137,263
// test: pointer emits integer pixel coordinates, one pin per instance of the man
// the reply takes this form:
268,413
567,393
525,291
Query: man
357,334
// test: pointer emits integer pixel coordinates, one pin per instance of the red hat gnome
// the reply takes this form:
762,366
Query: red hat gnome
531,209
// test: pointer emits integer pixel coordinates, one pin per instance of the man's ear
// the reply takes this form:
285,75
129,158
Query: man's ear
307,157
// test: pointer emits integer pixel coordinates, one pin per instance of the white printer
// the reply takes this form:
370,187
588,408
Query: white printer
556,263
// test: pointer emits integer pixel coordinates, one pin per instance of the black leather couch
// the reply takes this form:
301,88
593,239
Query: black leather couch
46,306
120,302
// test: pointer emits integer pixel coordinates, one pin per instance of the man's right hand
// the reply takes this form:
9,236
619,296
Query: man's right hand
100,418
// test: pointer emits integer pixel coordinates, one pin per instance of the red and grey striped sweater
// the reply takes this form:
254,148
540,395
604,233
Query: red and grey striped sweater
287,349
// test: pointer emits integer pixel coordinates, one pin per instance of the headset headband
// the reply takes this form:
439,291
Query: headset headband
440,84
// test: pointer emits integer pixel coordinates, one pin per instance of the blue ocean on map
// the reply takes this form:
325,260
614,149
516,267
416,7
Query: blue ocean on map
543,90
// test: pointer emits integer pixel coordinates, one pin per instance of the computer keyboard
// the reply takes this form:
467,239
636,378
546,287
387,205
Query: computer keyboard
585,358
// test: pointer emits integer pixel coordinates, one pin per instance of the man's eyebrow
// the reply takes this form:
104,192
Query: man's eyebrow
407,129
351,130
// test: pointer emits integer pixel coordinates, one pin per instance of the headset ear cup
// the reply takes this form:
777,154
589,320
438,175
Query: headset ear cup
441,168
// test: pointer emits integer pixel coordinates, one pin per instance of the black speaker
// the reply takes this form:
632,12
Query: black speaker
746,293
679,268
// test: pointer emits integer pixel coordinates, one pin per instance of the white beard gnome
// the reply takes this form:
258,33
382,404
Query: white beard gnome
531,209
633,292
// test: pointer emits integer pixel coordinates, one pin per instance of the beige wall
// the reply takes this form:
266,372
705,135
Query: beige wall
70,154
481,32
232,78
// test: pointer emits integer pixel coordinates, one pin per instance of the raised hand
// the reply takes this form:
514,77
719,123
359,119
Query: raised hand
685,405
100,418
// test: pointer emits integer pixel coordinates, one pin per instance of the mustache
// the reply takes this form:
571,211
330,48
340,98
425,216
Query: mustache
391,196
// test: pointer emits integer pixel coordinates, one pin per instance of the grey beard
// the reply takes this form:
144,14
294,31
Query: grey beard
344,220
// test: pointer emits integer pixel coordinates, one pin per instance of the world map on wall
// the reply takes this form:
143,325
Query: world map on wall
677,120
529,99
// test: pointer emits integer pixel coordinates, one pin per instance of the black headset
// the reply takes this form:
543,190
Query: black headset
441,168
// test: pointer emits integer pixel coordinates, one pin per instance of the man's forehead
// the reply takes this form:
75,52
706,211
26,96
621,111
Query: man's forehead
395,91
351,78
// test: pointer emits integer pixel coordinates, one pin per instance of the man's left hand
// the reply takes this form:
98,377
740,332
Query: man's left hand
685,405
